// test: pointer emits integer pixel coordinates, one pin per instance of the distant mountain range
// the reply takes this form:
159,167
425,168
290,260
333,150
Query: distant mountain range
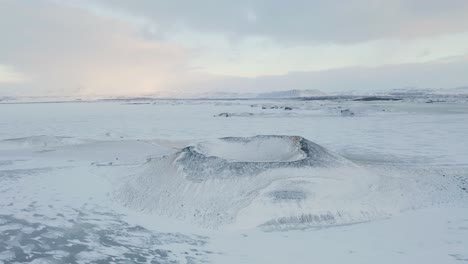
267,95
400,92
407,92
415,91
294,93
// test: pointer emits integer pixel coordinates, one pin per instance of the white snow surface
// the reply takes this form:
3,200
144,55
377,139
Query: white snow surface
266,187
169,182
259,149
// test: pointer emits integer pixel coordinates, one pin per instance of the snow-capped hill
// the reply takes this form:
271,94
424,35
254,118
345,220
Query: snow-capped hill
224,95
409,91
267,95
463,90
272,182
415,92
291,94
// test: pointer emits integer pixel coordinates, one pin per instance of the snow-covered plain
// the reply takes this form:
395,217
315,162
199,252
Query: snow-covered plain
157,181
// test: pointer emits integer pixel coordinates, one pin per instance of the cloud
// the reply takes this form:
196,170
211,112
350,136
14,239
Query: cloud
104,47
263,57
297,21
447,73
64,50
9,75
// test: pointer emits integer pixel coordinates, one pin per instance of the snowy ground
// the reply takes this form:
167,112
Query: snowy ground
63,165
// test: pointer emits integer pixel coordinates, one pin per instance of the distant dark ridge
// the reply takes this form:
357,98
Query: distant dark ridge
328,97
378,98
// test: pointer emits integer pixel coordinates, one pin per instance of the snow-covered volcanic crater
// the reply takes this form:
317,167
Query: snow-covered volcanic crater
230,157
274,182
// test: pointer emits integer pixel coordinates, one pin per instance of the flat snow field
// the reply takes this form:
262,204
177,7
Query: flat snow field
190,181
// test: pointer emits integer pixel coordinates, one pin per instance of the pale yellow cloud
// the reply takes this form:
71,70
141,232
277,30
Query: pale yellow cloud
9,75
65,50
261,56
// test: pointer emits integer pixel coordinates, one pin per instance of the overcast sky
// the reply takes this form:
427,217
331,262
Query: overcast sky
121,47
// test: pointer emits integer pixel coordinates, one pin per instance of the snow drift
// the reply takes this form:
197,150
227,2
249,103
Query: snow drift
42,141
270,181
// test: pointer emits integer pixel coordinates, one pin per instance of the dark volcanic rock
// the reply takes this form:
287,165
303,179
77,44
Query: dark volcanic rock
377,98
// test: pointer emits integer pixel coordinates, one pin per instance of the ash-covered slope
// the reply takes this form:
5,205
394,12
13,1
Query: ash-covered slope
236,157
268,181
